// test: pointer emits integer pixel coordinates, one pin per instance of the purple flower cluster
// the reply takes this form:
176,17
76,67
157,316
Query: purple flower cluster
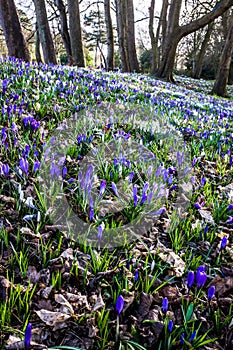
30,122
201,277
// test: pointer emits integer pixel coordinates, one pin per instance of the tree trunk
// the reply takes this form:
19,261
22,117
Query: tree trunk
154,47
64,29
15,41
76,33
230,77
201,55
121,29
37,47
175,33
110,38
220,86
44,32
171,41
155,40
133,61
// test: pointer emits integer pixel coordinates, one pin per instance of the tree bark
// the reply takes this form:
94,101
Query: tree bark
15,41
171,41
155,40
64,29
154,47
110,38
44,32
230,77
37,47
126,35
121,29
76,33
201,55
132,54
175,33
220,86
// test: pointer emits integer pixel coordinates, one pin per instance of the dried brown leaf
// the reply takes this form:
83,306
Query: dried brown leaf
144,306
60,299
55,319
172,259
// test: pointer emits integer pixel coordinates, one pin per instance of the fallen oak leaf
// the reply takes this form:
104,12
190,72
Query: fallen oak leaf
172,259
54,319
62,300
99,303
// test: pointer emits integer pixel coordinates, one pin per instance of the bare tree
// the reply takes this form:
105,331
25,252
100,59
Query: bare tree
12,30
121,31
64,29
155,38
133,61
75,33
44,32
110,38
126,35
225,62
175,33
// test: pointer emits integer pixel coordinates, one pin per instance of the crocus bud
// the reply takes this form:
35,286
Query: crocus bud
27,336
223,242
211,292
201,276
165,305
119,304
170,326
190,279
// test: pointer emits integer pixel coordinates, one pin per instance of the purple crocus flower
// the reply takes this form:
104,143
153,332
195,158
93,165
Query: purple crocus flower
4,135
197,206
27,336
64,172
23,163
54,171
144,193
211,292
119,304
136,276
182,339
201,276
144,198
102,187
91,214
36,166
131,175
223,242
190,279
229,220
193,335
230,207
14,127
5,169
170,326
165,305
158,212
26,151
114,188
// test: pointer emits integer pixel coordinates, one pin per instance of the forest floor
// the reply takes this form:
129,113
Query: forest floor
116,211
